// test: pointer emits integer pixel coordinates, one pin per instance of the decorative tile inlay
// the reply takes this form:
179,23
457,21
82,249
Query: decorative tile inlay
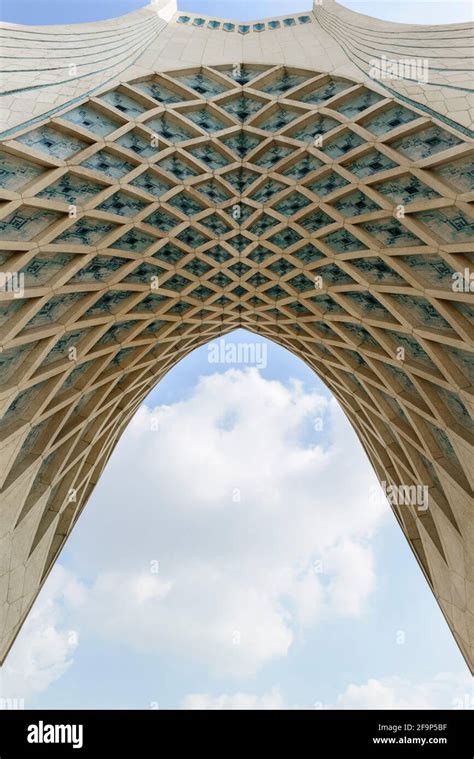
228,26
169,210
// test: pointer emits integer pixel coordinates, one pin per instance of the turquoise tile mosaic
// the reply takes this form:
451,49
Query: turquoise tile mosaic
207,119
369,164
218,254
421,311
170,128
272,155
277,118
261,226
406,189
122,204
343,143
459,174
242,107
157,90
109,164
375,269
178,167
210,156
355,203
320,93
213,191
241,143
326,305
313,128
391,233
192,238
187,204
242,73
134,240
239,242
59,352
176,283
450,224
108,303
285,238
332,275
71,189
202,84
425,142
99,269
355,104
216,225
430,269
137,143
170,254
53,142
124,103
241,179
151,183
229,26
86,232
281,267
327,183
44,268
267,190
241,211
387,119
90,118
162,220
53,310
282,83
315,220
197,267
26,223
15,173
308,254
343,241
367,304
302,167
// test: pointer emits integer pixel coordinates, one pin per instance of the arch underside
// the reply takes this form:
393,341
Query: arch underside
169,211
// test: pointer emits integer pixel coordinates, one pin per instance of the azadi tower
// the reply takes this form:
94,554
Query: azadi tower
167,178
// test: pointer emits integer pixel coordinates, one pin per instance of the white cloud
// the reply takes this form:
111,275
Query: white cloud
45,646
443,691
446,690
271,700
254,532
225,522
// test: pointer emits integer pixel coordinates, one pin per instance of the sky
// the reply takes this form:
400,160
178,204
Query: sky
60,12
236,552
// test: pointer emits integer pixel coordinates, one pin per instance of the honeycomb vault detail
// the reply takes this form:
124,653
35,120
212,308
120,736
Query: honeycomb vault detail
176,207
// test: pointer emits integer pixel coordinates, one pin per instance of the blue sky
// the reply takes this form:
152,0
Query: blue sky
233,552
60,12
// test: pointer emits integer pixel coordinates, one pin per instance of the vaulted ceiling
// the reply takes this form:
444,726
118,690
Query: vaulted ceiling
171,210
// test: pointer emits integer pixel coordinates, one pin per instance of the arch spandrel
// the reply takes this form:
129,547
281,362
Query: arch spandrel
168,211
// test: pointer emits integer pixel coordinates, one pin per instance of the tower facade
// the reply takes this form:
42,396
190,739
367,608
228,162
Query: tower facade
167,178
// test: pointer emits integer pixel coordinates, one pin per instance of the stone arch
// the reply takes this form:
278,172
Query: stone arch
165,212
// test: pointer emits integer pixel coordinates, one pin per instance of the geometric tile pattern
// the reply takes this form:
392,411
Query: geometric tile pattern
259,26
171,210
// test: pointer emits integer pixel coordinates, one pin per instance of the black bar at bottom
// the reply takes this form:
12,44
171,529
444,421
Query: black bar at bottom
323,733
